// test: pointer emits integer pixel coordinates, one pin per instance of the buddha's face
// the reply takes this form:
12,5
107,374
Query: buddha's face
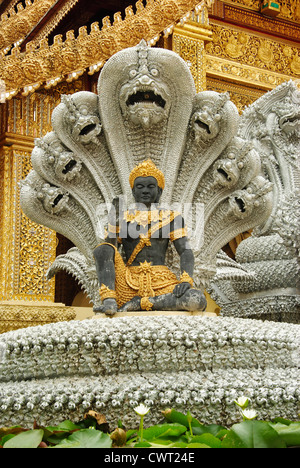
146,190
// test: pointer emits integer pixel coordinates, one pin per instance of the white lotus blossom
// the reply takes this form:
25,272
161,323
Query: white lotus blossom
142,410
249,414
242,402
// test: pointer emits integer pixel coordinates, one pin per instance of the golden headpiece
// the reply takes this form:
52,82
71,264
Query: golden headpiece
147,169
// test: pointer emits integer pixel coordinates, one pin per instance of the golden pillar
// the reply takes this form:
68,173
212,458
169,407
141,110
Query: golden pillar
189,40
26,248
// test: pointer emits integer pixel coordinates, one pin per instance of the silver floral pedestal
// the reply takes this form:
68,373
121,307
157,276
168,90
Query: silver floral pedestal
199,363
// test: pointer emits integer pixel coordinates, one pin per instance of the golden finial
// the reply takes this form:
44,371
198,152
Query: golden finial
147,169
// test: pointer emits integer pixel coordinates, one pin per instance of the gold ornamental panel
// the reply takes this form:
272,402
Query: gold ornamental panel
244,73
15,25
189,42
241,95
243,57
252,19
289,9
23,315
26,249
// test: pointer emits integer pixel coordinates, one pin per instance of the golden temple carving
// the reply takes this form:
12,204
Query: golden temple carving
250,49
189,41
70,58
22,315
15,26
246,74
289,9
251,59
222,57
245,18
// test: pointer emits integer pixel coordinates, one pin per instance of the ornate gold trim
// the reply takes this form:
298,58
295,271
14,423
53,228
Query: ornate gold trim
262,23
194,30
251,76
189,42
14,26
145,239
255,60
289,9
69,59
107,293
185,278
22,315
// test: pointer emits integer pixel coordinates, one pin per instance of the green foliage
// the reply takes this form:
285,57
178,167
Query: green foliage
27,439
86,438
288,431
252,434
84,434
177,430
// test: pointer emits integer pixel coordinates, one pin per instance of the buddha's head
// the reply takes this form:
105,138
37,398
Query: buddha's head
147,183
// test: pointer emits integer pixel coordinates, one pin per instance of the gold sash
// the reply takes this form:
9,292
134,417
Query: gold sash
145,239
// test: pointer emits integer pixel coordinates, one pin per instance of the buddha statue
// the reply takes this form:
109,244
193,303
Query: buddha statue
145,230
147,109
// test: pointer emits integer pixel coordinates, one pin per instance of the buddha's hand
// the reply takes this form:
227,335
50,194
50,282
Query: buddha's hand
181,288
109,306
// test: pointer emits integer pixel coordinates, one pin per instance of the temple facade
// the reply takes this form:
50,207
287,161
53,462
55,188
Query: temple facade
54,47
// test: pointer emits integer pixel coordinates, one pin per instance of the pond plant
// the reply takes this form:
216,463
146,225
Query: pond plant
177,430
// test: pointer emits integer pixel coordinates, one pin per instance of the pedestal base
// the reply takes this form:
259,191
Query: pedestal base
202,364
155,313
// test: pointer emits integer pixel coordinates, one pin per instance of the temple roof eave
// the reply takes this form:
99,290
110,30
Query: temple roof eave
67,60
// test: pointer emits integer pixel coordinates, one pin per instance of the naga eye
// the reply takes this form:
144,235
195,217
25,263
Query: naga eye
154,72
84,110
133,73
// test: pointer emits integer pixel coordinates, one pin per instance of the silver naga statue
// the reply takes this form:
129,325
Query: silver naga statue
228,173
272,253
